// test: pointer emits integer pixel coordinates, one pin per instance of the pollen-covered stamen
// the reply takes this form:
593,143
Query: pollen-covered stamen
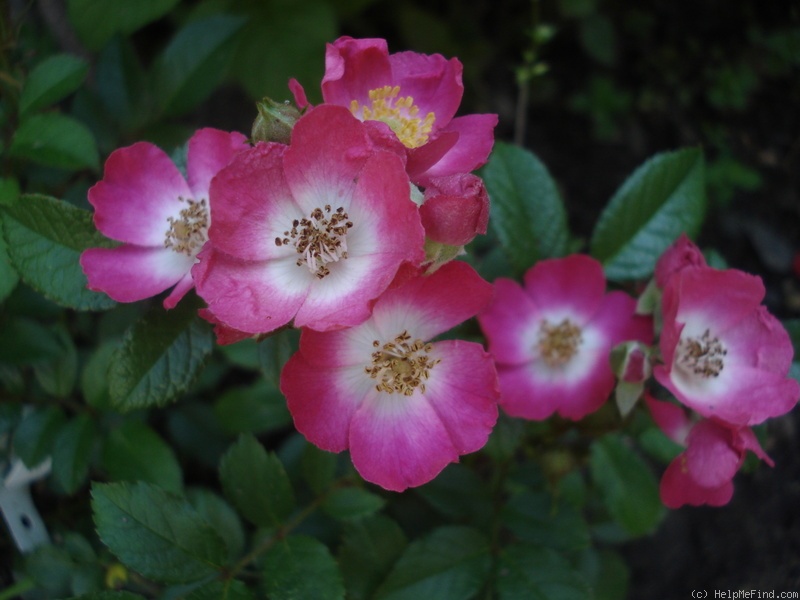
557,344
189,231
398,112
401,365
320,239
702,355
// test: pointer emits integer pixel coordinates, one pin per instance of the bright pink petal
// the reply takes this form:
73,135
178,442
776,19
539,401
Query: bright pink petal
299,93
225,335
179,291
680,255
422,158
326,173
759,340
463,390
353,67
456,209
251,205
251,296
433,81
670,418
132,273
678,488
573,284
430,305
399,441
475,141
510,323
209,151
139,191
744,439
323,401
710,457
616,319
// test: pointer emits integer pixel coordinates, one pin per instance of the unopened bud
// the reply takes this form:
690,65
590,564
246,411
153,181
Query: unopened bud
274,122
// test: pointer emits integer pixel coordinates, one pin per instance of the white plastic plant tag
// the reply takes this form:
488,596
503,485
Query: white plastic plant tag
23,520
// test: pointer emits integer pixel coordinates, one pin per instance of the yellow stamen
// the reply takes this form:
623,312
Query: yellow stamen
398,112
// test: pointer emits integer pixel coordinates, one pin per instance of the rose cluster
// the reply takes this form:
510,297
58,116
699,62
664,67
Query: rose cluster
343,220
343,229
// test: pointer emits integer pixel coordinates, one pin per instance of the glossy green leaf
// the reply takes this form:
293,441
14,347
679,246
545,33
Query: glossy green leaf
72,452
8,275
273,353
283,40
156,533
528,214
194,63
35,434
302,567
26,341
256,483
318,468
134,452
534,517
55,140
369,549
255,409
160,357
96,21
452,563
628,486
221,516
352,503
607,573
94,377
50,81
45,239
458,493
536,573
660,200
121,85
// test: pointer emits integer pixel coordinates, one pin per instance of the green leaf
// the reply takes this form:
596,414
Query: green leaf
194,63
457,492
72,451
369,549
94,377
318,467
273,353
8,276
156,533
629,489
45,239
55,140
662,199
537,573
451,563
302,567
352,503
109,595
283,40
57,377
607,573
96,21
51,80
259,408
160,357
134,452
25,341
221,516
121,85
256,483
230,589
34,436
528,214
533,517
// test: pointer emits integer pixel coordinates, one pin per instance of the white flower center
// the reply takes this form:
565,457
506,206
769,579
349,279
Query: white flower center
189,231
703,355
399,113
320,239
557,344
401,365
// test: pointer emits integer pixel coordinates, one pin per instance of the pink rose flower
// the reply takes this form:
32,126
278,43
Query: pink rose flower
724,355
405,407
552,338
703,473
680,255
314,231
162,219
415,96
